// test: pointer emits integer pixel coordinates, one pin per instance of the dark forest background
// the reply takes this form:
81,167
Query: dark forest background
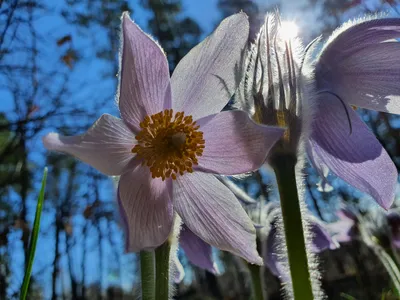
58,67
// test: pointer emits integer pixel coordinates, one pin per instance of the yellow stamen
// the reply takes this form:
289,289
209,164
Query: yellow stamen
169,145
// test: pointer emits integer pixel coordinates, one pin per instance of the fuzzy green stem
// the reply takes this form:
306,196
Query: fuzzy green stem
162,271
284,167
256,281
147,270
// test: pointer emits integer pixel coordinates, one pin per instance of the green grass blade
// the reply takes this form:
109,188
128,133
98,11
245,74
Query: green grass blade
346,296
34,238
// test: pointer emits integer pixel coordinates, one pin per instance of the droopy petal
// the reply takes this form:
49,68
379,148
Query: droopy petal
234,144
144,83
197,251
106,145
274,258
147,209
357,157
206,78
211,211
362,66
321,239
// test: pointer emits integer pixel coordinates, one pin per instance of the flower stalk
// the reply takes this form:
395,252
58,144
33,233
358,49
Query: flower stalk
147,270
256,281
284,167
162,255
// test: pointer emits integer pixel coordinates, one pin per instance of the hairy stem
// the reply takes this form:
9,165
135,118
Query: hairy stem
162,271
147,271
256,281
284,167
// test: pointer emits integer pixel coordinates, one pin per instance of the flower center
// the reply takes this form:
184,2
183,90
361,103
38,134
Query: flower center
169,145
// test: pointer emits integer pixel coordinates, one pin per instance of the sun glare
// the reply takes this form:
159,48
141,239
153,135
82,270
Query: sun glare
288,30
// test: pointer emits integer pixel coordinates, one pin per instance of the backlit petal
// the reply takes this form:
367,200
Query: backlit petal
206,78
357,157
144,83
147,209
361,64
106,146
211,211
234,144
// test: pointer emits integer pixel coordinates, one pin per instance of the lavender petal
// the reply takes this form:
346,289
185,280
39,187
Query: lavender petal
211,211
106,146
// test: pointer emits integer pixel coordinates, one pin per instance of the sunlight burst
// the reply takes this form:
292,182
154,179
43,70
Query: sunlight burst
288,30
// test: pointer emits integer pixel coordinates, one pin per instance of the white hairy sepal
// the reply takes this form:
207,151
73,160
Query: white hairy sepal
279,79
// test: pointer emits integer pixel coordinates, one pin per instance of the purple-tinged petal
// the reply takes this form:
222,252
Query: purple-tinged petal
345,229
106,146
352,152
361,64
144,83
394,223
206,78
212,212
274,258
234,144
321,239
146,208
359,34
198,252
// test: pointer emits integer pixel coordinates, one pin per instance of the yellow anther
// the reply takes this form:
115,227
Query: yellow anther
169,145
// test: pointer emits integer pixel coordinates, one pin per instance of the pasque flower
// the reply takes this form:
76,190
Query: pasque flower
313,98
172,137
359,66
